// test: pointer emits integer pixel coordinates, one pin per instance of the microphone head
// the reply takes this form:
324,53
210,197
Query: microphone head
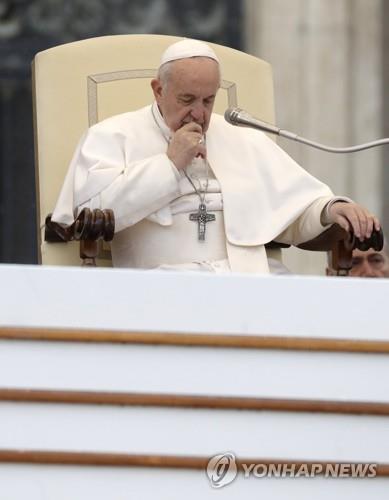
231,115
240,118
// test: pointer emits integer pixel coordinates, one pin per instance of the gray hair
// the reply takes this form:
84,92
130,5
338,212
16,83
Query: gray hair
164,72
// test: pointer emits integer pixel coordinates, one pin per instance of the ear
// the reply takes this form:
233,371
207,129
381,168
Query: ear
157,88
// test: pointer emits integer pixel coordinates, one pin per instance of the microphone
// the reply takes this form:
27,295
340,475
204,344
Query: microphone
240,118
237,116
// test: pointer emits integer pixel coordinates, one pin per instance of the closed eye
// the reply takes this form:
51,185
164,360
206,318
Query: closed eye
186,99
209,100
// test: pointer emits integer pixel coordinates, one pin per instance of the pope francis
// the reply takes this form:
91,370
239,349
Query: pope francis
189,190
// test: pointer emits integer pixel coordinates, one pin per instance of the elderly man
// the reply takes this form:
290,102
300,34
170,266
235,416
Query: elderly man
189,190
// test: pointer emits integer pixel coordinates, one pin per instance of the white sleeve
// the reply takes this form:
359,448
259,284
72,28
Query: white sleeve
103,175
307,226
143,188
325,214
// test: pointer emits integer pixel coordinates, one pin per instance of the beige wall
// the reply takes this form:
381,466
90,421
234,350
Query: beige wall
326,57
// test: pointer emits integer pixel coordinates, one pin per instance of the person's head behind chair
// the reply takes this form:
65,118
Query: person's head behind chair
186,85
368,264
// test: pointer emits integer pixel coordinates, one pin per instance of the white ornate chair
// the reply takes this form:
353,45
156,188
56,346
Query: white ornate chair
78,84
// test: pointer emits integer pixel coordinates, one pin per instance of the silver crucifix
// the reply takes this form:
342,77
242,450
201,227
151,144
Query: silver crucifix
202,217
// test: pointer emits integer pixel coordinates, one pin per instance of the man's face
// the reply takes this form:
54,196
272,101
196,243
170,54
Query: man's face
189,93
370,264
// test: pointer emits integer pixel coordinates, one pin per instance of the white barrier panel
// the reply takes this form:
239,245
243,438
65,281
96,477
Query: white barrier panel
41,379
117,299
195,432
194,370
86,483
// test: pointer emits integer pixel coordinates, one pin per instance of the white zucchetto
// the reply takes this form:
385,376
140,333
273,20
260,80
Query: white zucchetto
187,48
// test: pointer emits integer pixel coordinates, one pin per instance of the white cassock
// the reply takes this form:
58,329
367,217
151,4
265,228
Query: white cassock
257,192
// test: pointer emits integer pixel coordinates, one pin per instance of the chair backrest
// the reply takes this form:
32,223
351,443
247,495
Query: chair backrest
78,84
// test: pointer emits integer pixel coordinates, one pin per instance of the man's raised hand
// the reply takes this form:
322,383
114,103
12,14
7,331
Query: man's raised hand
186,144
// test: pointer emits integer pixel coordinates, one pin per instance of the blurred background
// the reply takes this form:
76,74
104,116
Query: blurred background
331,74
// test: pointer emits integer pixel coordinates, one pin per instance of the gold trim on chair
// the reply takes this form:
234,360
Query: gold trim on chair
94,80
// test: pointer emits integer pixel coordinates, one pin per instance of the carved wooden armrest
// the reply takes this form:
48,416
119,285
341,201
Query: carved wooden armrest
89,227
341,245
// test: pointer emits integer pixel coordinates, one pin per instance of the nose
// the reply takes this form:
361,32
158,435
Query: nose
198,112
366,270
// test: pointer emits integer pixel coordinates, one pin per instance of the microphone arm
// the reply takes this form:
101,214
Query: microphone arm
238,117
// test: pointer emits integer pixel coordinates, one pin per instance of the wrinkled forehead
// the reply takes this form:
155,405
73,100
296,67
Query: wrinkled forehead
194,69
191,63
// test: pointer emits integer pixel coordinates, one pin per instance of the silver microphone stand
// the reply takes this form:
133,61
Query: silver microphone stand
237,116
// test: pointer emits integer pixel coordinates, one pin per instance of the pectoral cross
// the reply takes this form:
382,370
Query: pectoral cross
202,217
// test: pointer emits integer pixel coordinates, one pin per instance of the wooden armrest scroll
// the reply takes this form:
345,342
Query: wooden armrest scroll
89,227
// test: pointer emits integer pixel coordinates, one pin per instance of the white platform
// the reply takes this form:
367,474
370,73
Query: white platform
194,302
124,300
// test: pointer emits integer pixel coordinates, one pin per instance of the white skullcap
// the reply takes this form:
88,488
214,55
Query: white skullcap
187,48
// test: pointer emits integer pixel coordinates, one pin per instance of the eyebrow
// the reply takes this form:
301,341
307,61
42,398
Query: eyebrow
360,258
